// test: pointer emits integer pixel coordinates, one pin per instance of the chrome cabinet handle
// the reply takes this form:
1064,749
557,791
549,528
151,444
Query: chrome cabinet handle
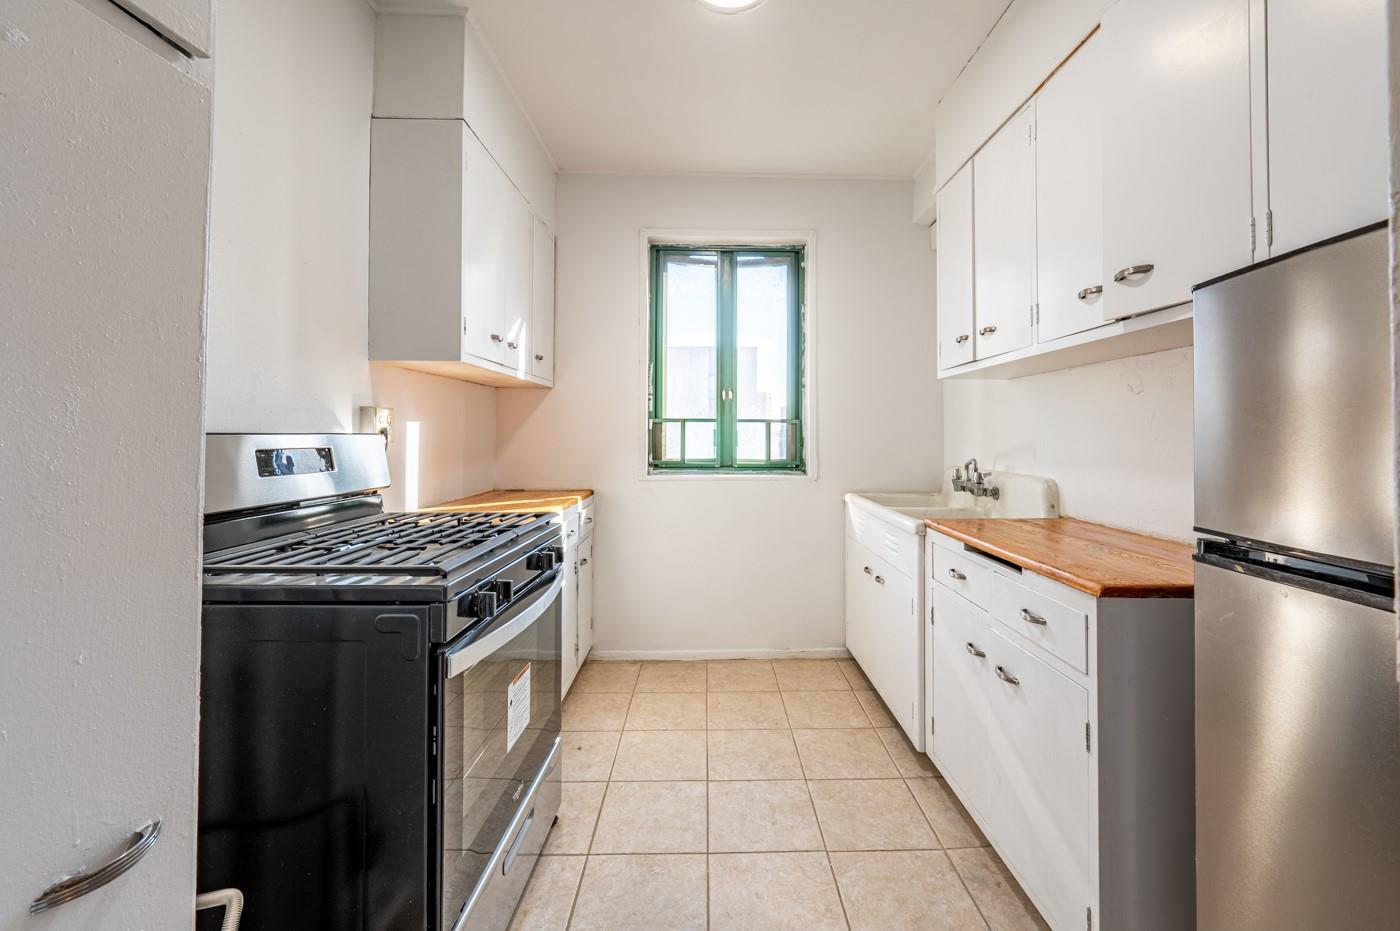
496,337
1085,293
972,648
513,345
1132,271
957,575
986,331
962,339
538,357
583,562
75,887
867,571
1030,617
879,580
1007,677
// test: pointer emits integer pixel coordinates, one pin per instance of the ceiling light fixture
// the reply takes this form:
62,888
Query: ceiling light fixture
730,6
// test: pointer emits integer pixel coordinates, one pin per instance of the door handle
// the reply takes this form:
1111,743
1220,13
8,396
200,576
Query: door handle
987,331
1007,677
1030,617
75,887
1086,293
972,648
1133,271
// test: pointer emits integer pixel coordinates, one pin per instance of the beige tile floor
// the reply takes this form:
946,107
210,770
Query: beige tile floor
755,795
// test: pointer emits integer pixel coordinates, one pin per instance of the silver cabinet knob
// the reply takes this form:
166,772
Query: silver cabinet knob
513,345
538,357
972,648
1133,271
1086,293
961,339
953,573
496,338
1007,677
867,571
75,887
1030,617
986,331
879,580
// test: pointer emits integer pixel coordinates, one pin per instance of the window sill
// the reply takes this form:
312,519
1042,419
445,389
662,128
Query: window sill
718,475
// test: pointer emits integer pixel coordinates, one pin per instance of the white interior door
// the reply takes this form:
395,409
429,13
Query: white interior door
1328,161
955,262
1003,204
1069,197
105,151
542,303
1176,162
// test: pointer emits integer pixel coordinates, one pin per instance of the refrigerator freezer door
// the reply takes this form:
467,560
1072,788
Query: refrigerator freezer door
1293,420
1297,758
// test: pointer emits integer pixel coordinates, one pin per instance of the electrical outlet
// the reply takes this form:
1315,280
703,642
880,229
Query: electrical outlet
377,420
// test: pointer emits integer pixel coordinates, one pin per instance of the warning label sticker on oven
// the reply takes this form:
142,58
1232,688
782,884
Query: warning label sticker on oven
517,707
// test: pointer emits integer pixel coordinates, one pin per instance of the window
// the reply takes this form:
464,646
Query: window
726,380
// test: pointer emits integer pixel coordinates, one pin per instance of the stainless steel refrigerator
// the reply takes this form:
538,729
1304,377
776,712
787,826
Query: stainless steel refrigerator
1297,726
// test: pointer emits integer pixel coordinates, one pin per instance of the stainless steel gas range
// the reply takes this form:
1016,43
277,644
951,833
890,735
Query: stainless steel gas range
379,734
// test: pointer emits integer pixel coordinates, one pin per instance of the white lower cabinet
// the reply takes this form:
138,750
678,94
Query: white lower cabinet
884,633
1083,781
576,600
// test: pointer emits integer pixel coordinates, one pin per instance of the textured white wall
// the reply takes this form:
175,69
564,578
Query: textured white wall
739,564
289,248
1116,436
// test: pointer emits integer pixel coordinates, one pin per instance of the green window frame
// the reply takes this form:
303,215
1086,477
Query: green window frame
683,443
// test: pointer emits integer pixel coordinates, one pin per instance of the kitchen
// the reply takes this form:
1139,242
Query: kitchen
955,335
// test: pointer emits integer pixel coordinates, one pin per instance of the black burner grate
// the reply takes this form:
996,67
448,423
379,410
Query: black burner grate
432,545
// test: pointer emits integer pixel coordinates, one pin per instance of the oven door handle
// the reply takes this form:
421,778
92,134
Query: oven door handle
464,656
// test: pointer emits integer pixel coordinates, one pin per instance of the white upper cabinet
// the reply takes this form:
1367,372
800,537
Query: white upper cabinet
1004,238
1176,149
517,233
1327,109
955,295
484,211
1069,196
542,303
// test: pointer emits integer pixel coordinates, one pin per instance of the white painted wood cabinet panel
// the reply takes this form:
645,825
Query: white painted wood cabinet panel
585,599
884,633
1004,238
961,713
519,256
1327,110
486,261
1069,196
542,302
1039,770
954,232
1176,149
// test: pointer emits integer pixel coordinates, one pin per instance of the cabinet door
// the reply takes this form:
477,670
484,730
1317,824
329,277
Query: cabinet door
955,293
1003,204
486,215
860,605
1069,197
542,303
1175,149
1327,118
570,655
519,286
961,719
898,636
1039,770
585,599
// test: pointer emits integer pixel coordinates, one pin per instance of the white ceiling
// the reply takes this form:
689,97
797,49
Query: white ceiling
795,87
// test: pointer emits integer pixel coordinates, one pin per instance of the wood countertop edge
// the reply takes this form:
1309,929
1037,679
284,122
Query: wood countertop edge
1097,587
523,500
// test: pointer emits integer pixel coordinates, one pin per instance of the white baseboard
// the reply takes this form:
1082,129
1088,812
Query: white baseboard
634,655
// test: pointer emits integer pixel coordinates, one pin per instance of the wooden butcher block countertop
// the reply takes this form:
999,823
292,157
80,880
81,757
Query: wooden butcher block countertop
1103,561
518,501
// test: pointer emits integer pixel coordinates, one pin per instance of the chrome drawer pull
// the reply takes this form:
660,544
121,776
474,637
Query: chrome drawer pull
513,345
962,339
1133,271
879,580
75,887
1085,293
987,331
1007,677
1030,617
972,648
957,575
496,337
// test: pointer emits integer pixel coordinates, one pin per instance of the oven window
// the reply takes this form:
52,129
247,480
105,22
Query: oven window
500,721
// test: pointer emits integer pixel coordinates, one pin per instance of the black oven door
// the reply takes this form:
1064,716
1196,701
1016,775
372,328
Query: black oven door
499,759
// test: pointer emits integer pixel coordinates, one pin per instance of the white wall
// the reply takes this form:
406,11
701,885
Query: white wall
1116,436
735,564
289,247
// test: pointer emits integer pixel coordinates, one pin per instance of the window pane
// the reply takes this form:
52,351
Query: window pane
763,319
780,442
671,442
699,441
690,287
753,442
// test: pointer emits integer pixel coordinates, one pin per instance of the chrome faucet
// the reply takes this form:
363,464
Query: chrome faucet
975,481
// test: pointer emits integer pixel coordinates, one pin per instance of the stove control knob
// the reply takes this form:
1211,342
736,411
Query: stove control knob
543,561
505,589
481,604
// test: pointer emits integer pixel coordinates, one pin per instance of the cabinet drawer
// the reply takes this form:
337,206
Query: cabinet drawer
899,548
1057,628
961,574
